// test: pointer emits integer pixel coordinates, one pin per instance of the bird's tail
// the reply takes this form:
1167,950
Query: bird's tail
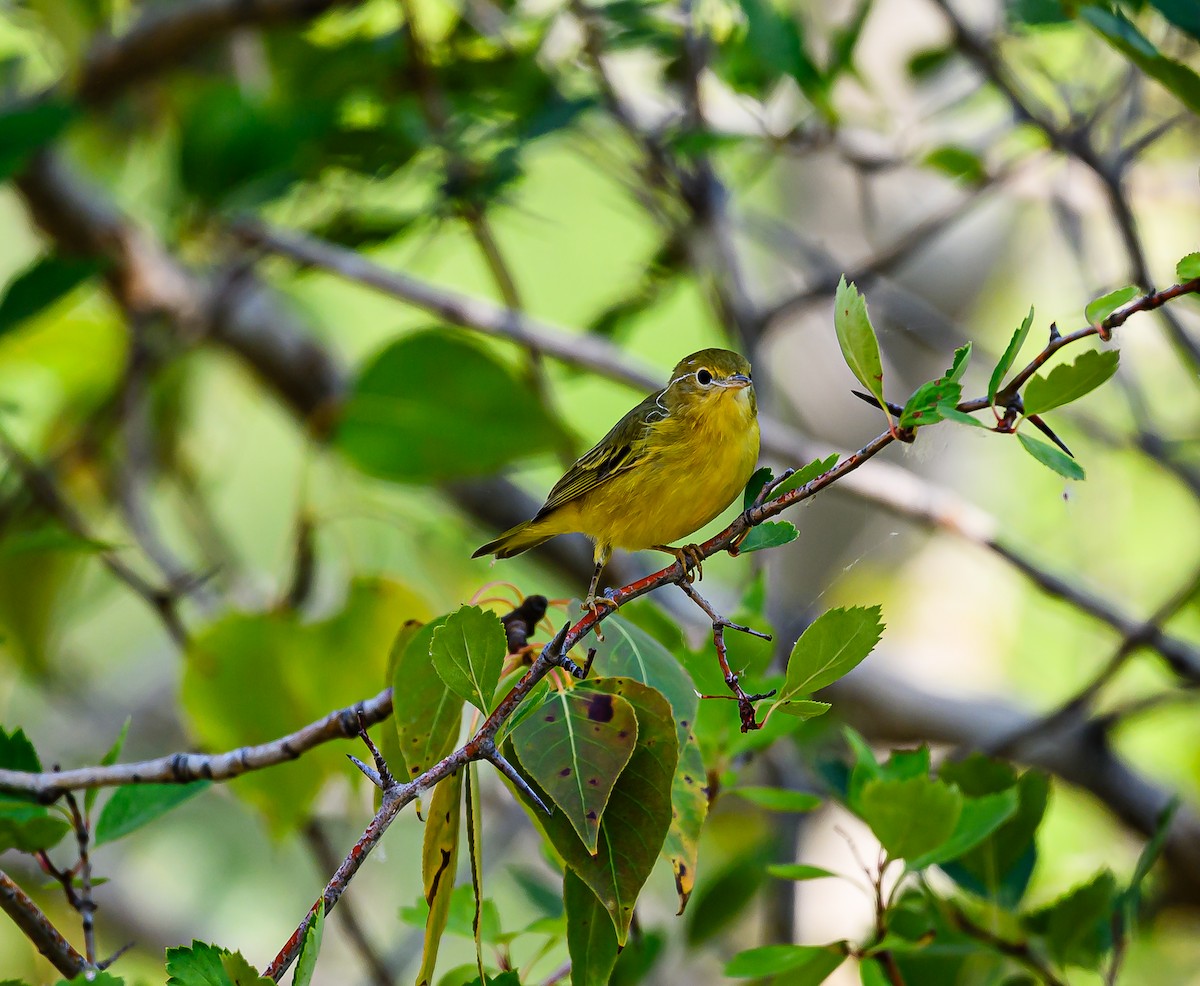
524,536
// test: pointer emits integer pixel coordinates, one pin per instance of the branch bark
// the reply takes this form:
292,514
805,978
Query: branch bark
35,926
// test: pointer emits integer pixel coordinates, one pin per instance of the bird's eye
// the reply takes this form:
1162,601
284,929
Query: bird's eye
703,377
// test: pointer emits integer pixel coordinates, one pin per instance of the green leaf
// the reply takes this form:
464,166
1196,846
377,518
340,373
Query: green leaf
770,534
924,407
428,721
439,861
958,366
871,973
1188,268
114,751
135,805
910,817
306,961
575,746
1000,867
856,336
801,708
1077,928
83,979
833,644
17,753
409,420
41,284
241,972
29,828
805,475
689,804
778,799
757,481
980,817
802,964
956,161
591,940
50,537
1070,381
773,46
933,401
468,650
24,129
1010,355
1099,309
1051,457
1121,34
798,871
635,823
199,965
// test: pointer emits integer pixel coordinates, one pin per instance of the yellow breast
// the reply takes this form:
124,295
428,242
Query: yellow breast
697,464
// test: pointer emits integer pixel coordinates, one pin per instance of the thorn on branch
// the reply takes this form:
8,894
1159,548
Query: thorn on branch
493,756
369,772
555,653
385,781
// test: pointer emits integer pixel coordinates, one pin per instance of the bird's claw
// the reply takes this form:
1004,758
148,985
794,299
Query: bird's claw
690,558
595,605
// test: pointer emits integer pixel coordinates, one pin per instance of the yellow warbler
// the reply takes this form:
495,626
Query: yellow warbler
665,469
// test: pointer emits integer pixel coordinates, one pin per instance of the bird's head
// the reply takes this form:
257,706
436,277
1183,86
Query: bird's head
711,377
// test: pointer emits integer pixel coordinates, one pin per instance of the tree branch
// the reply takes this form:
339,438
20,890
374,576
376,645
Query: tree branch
35,926
181,768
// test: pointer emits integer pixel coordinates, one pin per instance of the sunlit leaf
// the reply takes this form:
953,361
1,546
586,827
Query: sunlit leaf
770,534
1099,309
241,972
1051,457
467,651
1010,355
957,162
575,746
1188,268
805,475
856,336
1068,382
910,817
833,644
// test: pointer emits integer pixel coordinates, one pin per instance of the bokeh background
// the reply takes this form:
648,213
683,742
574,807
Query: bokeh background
960,165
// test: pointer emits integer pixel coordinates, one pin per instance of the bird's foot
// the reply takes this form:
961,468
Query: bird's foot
596,605
690,558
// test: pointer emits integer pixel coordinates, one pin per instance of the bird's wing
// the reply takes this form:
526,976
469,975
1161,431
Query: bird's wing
622,448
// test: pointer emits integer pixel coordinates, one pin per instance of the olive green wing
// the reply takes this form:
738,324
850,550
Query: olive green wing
624,447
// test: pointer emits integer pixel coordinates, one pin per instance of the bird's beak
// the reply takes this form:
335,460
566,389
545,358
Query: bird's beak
737,381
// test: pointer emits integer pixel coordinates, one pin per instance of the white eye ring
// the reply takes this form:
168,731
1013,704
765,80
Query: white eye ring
703,377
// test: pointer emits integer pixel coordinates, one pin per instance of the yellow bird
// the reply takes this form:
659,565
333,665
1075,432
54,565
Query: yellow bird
665,469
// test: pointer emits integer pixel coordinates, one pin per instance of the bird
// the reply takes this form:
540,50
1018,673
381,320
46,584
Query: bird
668,467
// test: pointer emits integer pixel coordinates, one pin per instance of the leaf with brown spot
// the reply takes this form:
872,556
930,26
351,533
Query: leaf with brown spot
689,804
439,859
575,746
628,651
638,815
